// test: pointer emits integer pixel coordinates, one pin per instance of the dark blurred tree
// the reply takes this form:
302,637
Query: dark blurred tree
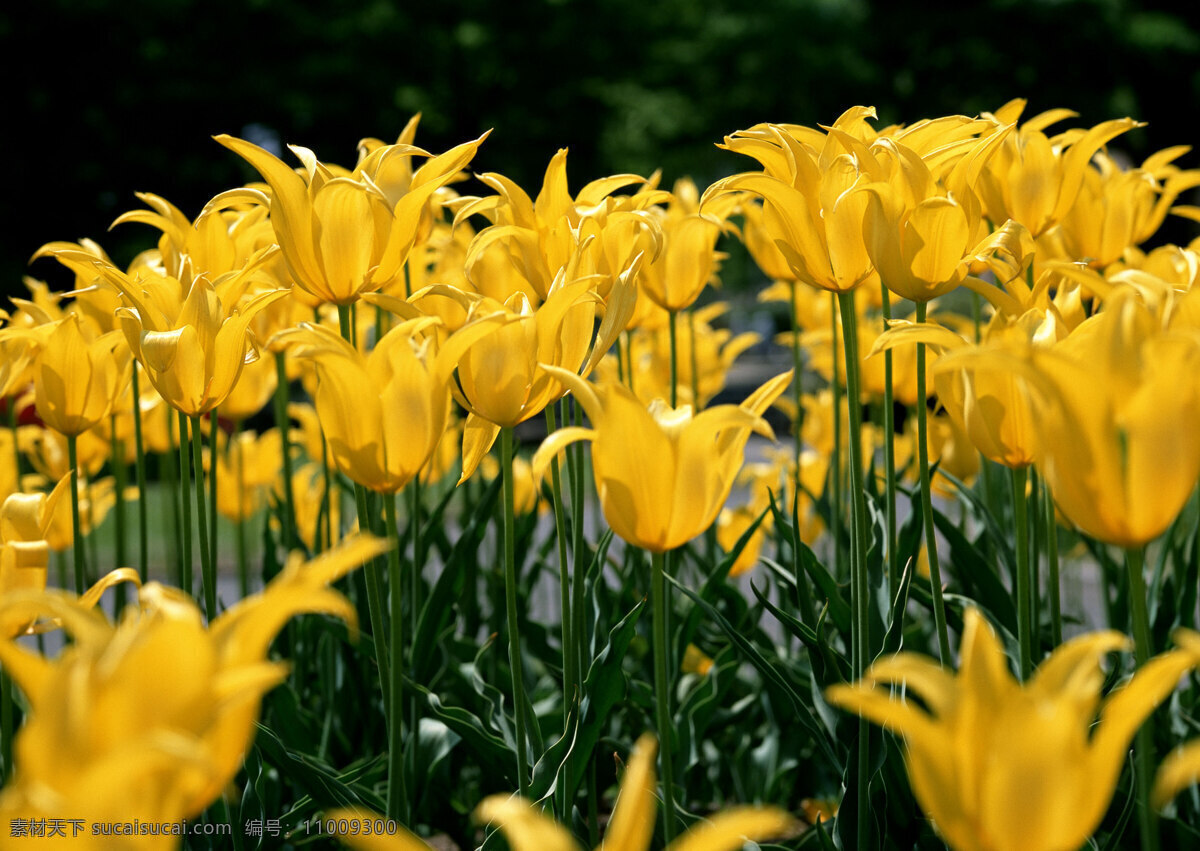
109,97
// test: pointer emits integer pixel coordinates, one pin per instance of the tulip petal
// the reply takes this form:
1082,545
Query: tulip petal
730,829
632,822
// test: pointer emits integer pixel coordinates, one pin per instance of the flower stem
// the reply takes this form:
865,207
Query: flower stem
208,577
185,500
1143,748
570,675
375,603
1024,576
510,594
889,453
76,526
239,473
860,633
212,485
397,800
837,515
662,691
143,496
1052,560
935,570
673,316
281,422
120,472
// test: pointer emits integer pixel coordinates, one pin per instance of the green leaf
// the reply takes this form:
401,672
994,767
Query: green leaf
804,712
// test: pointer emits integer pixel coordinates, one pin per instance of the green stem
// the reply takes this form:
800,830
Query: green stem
283,424
673,315
835,466
76,525
510,595
375,603
576,474
168,467
935,570
1056,633
117,460
327,495
1024,578
797,383
6,726
397,800
662,692
185,501
570,675
1143,749
208,578
889,453
239,471
143,496
860,635
374,581
212,486
414,579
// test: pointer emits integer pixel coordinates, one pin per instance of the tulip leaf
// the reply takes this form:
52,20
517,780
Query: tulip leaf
1117,834
976,575
317,779
700,705
829,667
435,741
718,576
603,688
493,753
804,712
449,588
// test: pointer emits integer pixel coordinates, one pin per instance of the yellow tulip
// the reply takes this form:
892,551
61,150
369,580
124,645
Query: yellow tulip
533,241
712,351
1182,767
384,413
46,450
308,502
1035,180
632,823
24,553
810,212
1001,766
662,473
76,378
985,398
1119,453
505,376
1118,208
688,259
247,467
630,829
343,235
924,233
149,718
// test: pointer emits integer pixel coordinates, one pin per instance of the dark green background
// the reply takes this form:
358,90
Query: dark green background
109,97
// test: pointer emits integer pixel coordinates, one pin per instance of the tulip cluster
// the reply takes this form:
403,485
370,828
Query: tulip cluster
325,361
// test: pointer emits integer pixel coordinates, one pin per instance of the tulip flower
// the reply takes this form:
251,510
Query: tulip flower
502,378
632,823
663,474
1033,179
24,552
1182,767
1118,453
345,235
1116,208
1001,766
76,377
149,718
382,438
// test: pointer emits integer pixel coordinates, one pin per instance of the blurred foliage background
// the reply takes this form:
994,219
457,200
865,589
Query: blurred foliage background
109,97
